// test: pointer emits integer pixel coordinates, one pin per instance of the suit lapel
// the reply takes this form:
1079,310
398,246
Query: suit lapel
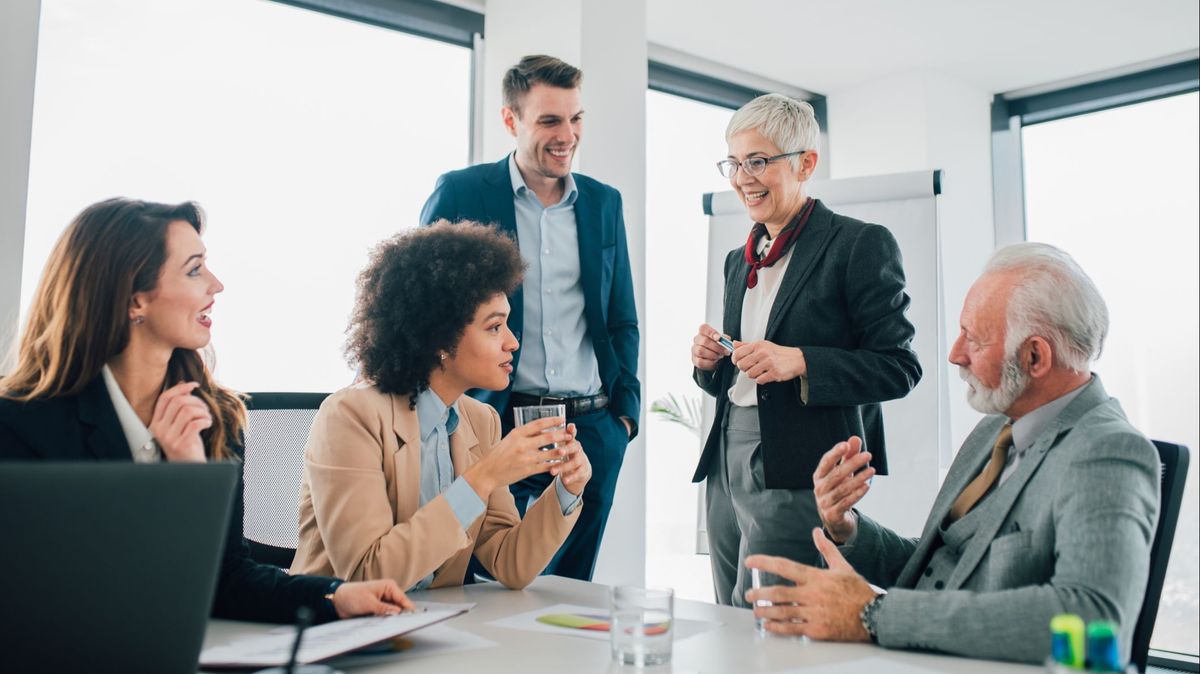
805,252
463,442
407,428
588,234
735,294
498,197
974,454
498,204
102,434
1006,495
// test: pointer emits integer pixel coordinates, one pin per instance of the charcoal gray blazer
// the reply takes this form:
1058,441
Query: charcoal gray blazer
842,302
1072,535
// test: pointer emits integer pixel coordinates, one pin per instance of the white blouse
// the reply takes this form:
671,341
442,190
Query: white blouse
141,441
756,309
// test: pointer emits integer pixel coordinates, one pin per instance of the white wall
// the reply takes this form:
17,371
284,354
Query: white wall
916,121
18,55
608,42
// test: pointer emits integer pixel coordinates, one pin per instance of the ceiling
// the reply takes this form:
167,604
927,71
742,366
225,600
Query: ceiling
995,45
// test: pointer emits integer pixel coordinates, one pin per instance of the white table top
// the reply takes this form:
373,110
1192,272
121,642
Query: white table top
731,648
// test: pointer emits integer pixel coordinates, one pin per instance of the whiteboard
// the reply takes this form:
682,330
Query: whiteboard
916,427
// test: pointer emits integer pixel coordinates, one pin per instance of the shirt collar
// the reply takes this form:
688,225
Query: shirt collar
519,188
1027,429
136,433
432,413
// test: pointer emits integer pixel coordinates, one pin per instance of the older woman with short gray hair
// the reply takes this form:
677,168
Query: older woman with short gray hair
815,338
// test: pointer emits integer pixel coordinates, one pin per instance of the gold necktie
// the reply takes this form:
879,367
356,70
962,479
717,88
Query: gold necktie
984,481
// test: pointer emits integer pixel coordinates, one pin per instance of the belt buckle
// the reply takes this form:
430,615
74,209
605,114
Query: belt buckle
553,400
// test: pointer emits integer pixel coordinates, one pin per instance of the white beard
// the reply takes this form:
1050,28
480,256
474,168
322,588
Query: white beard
1013,381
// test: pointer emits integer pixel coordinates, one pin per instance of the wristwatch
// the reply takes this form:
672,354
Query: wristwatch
329,606
867,617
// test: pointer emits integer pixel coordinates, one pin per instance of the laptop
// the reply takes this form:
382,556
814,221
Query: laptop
109,567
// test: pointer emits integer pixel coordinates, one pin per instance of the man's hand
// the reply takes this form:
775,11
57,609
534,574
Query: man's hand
824,604
841,480
575,470
372,597
766,362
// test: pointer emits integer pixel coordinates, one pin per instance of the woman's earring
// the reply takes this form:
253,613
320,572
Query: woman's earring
138,320
443,356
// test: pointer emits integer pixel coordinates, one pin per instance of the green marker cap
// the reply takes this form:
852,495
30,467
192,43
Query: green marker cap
1101,628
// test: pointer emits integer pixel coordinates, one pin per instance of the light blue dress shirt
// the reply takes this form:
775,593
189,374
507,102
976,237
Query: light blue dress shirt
557,357
437,423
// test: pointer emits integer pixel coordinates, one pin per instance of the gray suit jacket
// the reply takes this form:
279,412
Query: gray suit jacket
1074,537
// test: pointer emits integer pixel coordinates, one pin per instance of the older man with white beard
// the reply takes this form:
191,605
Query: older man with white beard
1050,506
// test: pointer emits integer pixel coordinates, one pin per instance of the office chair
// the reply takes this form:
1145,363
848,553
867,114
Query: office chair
276,432
1174,459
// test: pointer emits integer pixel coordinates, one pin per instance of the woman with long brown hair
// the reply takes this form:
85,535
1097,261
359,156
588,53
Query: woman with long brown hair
111,366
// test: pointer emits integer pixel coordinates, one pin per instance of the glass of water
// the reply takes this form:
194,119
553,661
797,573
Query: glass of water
640,625
760,579
528,413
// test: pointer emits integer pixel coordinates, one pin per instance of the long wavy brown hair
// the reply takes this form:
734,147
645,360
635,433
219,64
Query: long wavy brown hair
79,318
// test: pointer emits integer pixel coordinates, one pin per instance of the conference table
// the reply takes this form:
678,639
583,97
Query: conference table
733,647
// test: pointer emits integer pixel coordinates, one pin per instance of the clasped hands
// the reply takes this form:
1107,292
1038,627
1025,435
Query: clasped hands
763,361
519,455
823,603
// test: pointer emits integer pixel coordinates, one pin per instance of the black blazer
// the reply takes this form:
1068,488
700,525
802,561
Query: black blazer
84,427
842,302
484,193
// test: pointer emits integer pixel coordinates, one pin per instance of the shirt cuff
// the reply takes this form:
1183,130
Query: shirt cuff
804,389
565,498
465,503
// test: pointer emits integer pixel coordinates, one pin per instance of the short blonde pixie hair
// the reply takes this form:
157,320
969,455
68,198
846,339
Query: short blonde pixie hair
788,123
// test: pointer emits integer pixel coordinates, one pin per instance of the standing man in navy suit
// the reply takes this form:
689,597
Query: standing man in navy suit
574,315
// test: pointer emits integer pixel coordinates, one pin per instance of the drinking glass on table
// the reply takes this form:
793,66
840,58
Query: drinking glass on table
527,413
640,625
758,580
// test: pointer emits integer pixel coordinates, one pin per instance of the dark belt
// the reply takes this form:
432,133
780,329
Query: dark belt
575,406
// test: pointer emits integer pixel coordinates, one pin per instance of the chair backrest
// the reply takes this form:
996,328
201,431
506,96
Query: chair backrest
1174,459
276,432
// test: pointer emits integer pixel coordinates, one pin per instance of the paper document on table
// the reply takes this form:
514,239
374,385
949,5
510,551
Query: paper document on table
433,640
320,642
865,666
554,621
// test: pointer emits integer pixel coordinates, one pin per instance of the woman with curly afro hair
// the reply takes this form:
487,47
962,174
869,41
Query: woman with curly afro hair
405,476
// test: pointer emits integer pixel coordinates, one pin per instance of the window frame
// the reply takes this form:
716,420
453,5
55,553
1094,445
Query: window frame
1012,113
425,18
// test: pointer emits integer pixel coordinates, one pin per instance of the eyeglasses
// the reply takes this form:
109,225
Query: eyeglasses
751,165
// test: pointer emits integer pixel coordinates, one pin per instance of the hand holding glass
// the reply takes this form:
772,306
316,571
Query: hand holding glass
528,413
758,580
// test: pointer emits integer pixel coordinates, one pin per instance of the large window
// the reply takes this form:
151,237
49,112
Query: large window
685,139
307,138
1117,190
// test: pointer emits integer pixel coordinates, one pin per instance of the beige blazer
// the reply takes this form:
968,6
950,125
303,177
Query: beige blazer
359,513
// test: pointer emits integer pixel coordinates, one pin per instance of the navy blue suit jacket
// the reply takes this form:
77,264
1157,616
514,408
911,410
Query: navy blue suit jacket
484,193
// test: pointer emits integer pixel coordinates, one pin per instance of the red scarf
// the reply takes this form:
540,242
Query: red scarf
778,248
